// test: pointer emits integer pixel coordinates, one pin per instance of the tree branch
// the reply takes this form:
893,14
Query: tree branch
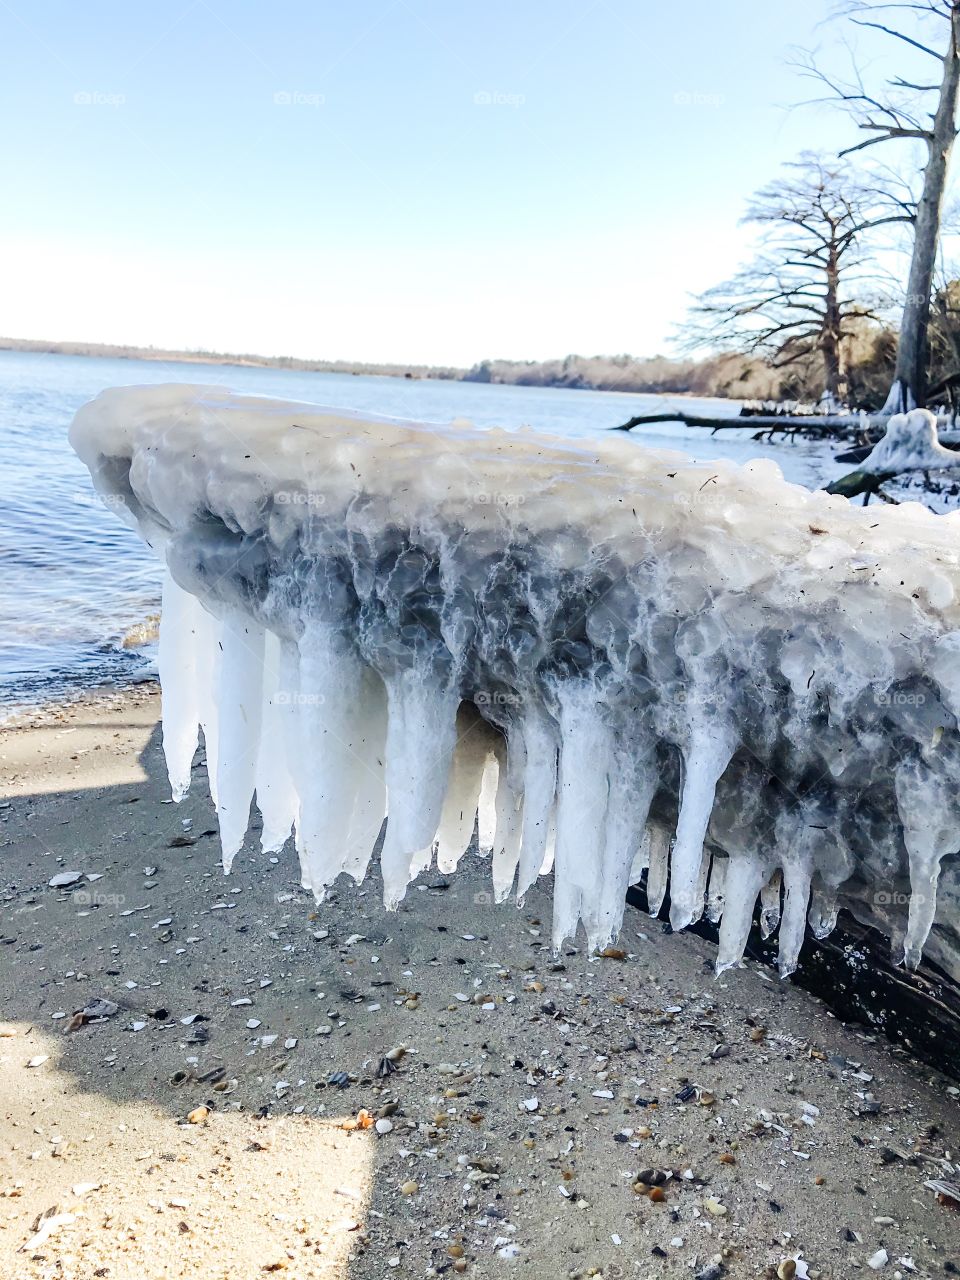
886,136
892,31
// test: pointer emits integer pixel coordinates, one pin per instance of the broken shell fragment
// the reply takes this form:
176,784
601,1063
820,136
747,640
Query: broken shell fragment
98,1008
362,1120
64,879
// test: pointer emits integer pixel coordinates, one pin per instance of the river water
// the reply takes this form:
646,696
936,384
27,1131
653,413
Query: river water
78,589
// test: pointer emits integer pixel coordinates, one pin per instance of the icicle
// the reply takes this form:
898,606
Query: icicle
712,744
640,861
459,815
277,797
240,703
658,859
550,852
209,652
336,771
701,891
798,834
539,796
931,829
716,892
797,872
487,806
421,734
632,784
420,862
770,904
822,916
581,806
368,742
509,811
177,661
745,877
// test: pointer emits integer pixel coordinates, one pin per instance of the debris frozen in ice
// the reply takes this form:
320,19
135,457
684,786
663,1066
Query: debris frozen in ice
598,658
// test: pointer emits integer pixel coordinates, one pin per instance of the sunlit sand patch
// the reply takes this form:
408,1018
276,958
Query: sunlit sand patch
63,749
88,1183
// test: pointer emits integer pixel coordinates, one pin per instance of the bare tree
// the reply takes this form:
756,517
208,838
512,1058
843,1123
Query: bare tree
801,298
901,111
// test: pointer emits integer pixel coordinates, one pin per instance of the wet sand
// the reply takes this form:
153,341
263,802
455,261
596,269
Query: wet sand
531,1094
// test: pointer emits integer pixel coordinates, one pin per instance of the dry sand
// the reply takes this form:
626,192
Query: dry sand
532,1092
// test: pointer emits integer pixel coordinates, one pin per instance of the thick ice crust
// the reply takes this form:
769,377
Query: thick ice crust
617,656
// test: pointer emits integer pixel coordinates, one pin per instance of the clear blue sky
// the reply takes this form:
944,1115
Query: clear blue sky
419,180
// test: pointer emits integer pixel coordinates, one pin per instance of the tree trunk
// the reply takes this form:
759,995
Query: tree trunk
833,381
909,376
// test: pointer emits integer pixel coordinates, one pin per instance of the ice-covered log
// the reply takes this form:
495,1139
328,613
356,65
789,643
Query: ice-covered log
598,657
910,443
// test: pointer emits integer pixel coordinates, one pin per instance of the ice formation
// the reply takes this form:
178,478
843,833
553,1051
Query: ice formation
910,443
598,657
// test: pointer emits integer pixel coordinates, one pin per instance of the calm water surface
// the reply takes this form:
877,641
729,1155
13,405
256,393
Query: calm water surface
76,585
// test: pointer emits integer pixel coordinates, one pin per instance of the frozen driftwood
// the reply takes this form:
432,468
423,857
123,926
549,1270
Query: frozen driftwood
608,657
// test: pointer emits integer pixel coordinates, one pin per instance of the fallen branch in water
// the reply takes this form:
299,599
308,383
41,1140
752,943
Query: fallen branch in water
827,423
911,442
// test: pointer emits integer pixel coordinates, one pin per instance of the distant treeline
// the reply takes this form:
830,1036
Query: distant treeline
737,376
111,351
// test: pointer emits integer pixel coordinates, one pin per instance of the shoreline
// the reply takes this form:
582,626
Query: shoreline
531,1092
297,364
110,351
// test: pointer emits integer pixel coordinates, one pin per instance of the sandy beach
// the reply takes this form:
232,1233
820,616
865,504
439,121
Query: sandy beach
497,1110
